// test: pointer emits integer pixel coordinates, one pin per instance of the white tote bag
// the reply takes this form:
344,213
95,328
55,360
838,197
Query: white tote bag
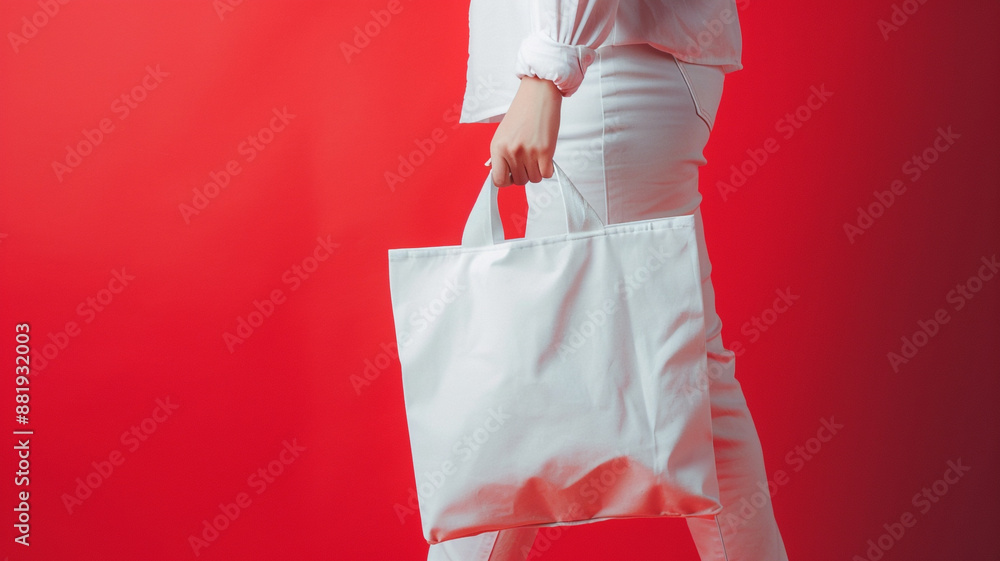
555,380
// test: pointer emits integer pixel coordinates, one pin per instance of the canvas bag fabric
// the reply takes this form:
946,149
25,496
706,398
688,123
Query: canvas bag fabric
555,380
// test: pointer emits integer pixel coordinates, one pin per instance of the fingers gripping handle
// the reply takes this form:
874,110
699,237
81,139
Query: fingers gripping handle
484,228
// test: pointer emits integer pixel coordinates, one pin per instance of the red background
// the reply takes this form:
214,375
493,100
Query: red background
324,175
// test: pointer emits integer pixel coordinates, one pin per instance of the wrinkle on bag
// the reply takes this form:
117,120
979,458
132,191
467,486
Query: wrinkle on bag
555,380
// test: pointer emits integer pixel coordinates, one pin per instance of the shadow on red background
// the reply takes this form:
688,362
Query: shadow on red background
186,336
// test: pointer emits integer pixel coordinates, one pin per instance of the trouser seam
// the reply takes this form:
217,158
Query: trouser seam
722,540
492,547
604,149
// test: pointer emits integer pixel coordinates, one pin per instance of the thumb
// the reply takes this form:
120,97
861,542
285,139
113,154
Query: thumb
545,167
501,172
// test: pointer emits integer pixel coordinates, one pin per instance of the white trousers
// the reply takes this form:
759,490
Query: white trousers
631,140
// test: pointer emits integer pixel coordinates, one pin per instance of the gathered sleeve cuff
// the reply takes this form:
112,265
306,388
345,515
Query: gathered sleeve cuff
563,40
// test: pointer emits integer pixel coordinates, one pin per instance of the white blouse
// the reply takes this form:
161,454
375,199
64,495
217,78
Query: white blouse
556,40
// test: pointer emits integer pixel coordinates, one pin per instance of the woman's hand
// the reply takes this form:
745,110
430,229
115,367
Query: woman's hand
525,141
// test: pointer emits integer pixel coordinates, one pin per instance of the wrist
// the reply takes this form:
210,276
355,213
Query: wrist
547,87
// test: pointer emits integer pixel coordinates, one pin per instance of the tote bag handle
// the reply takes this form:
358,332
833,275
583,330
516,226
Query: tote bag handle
483,227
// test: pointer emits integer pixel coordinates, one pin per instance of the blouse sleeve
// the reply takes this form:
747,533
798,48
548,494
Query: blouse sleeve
563,39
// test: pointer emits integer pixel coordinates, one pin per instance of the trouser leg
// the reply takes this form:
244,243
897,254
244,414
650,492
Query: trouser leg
631,140
505,545
745,530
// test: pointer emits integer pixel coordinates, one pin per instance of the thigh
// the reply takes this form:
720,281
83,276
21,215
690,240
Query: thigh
632,137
